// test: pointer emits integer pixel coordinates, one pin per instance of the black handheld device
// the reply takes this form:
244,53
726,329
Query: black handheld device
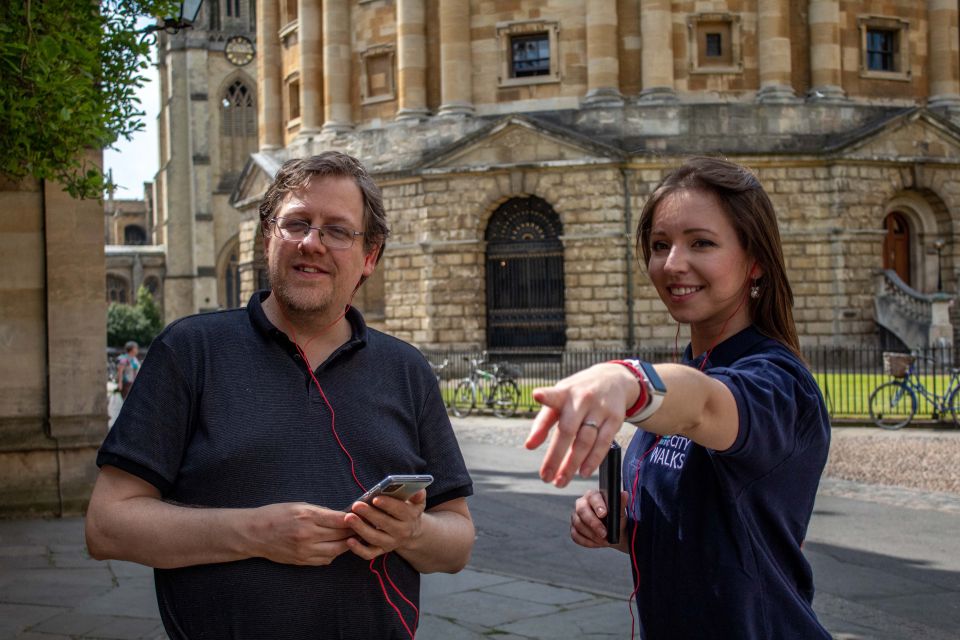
610,489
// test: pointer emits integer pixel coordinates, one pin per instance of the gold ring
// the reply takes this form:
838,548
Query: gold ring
590,423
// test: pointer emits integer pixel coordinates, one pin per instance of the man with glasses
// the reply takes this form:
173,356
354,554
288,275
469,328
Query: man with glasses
234,466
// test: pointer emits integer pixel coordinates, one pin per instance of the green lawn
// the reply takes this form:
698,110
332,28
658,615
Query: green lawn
846,394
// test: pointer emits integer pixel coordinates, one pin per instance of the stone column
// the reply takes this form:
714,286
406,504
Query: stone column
773,35
336,66
603,65
411,60
270,93
179,202
825,65
456,77
656,29
944,48
75,401
311,87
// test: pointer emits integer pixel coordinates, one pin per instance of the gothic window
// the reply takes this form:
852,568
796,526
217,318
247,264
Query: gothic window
134,234
232,8
238,126
152,285
525,283
231,279
117,289
212,7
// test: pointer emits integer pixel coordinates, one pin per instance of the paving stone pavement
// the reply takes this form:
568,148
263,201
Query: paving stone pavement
50,589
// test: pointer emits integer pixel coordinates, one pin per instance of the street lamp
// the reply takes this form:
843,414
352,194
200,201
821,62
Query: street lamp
939,244
189,9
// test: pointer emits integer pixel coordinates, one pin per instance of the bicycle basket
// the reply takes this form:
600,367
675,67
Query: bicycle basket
510,371
897,364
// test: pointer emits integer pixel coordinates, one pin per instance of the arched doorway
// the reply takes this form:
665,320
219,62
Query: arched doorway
896,245
525,285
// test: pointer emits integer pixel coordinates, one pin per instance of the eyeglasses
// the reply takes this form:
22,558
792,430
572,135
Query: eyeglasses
331,235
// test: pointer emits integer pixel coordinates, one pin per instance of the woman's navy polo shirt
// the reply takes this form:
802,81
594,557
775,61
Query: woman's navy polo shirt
719,534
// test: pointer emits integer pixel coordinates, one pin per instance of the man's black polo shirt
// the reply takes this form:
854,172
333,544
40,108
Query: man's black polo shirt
224,414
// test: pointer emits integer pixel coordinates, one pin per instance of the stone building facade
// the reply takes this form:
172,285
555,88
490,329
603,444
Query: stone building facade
207,129
132,259
516,141
53,409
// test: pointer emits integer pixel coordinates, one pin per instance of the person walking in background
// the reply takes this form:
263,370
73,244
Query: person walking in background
127,367
235,466
721,475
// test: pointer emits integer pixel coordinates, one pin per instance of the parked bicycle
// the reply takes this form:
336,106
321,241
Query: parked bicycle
438,368
894,403
495,389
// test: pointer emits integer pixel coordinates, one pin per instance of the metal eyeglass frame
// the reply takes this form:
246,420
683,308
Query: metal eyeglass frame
322,231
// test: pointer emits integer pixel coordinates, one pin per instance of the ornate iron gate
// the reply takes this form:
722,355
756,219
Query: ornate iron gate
525,287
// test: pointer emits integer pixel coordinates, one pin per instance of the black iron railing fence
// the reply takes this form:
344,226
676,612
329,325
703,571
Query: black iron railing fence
847,375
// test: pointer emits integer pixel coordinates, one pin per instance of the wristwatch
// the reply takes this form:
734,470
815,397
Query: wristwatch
652,390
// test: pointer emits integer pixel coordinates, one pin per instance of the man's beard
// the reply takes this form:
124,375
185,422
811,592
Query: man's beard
300,301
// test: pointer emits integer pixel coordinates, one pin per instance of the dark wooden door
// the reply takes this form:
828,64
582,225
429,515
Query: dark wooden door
896,246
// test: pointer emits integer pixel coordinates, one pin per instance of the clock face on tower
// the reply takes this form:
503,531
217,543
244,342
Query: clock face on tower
239,50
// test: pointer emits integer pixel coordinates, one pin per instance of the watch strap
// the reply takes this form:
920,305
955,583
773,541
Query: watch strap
652,390
644,398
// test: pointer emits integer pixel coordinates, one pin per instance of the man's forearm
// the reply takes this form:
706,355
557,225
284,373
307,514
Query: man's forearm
149,531
444,544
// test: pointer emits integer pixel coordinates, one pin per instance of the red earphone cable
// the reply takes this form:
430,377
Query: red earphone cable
333,428
386,595
656,441
633,537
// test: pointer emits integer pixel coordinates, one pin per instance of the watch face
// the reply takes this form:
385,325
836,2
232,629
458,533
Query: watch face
239,50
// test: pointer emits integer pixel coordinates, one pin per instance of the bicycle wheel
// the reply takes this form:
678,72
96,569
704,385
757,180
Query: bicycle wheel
464,398
892,405
954,404
506,397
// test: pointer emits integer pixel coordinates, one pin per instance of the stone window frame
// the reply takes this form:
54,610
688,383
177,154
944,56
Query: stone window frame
695,22
292,118
375,51
505,33
902,56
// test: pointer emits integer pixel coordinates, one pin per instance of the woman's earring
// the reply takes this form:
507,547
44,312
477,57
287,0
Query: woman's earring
755,290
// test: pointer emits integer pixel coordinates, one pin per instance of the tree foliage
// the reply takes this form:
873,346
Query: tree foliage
140,322
69,72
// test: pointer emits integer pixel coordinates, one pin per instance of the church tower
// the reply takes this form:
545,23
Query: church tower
207,128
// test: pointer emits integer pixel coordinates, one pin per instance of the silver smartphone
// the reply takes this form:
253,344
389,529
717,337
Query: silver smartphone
400,487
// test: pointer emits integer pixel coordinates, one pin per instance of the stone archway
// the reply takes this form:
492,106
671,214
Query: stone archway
524,276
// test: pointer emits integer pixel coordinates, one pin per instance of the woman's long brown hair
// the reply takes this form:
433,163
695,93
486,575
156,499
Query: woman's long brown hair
751,213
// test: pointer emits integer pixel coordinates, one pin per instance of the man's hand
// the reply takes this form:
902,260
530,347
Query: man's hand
385,525
298,533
